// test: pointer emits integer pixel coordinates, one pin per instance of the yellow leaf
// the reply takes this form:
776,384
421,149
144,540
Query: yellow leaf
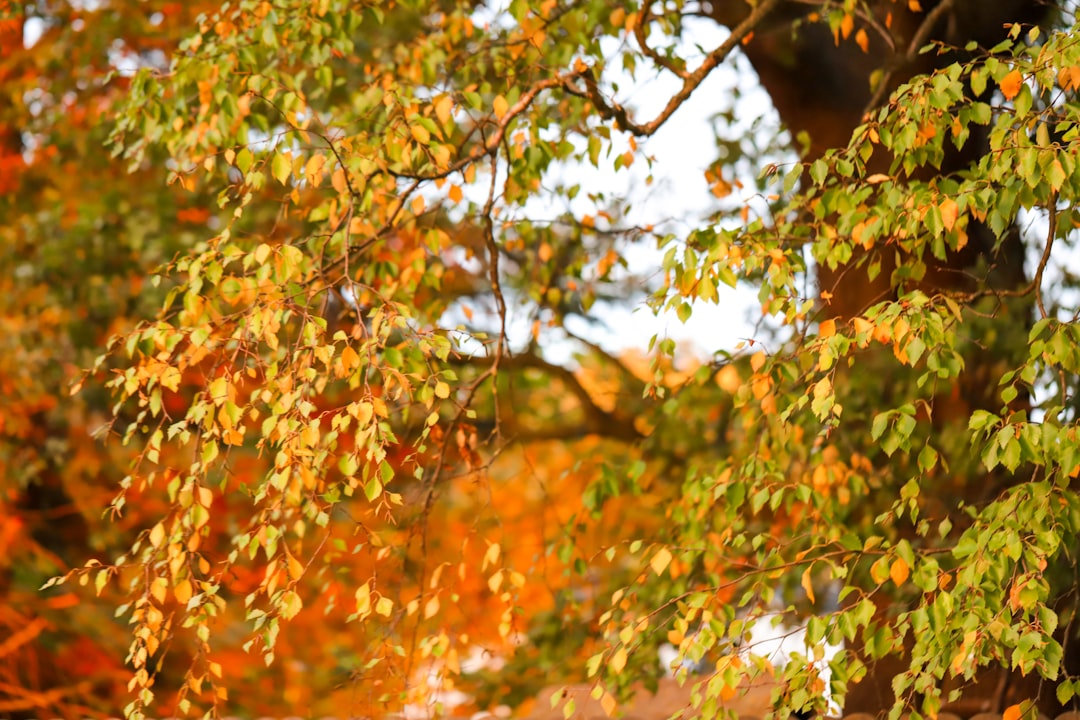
807,585
157,535
338,181
261,253
500,106
757,360
949,213
420,134
660,560
182,591
418,204
442,390
491,556
363,600
618,661
313,169
170,379
157,590
607,702
877,179
1011,84
495,581
822,388
879,571
290,604
215,669
384,606
432,607
444,108
899,571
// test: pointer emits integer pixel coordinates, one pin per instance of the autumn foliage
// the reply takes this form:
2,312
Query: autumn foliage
305,409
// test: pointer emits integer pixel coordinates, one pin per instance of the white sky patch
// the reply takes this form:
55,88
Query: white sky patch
677,201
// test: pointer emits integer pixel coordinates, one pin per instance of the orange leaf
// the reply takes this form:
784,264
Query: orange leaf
338,180
878,571
862,40
608,704
847,25
349,359
949,212
182,591
728,379
444,107
899,571
500,106
827,328
1011,84
1013,712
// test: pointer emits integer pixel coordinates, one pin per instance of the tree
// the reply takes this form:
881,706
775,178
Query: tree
335,435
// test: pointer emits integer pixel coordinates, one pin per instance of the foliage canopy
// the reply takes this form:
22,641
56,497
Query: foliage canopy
348,455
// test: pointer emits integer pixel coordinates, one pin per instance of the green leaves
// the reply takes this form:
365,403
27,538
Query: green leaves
281,167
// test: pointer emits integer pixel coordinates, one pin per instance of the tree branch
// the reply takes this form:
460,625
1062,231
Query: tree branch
917,41
611,110
597,420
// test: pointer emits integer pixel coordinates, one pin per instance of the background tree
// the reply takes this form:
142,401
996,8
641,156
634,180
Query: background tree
334,435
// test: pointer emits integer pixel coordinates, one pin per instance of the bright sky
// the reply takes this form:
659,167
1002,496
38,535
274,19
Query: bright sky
683,148
676,202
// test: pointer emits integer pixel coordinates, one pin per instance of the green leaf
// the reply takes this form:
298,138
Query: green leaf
281,167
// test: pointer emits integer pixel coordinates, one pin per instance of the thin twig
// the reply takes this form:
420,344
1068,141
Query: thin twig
1036,282
612,110
917,41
